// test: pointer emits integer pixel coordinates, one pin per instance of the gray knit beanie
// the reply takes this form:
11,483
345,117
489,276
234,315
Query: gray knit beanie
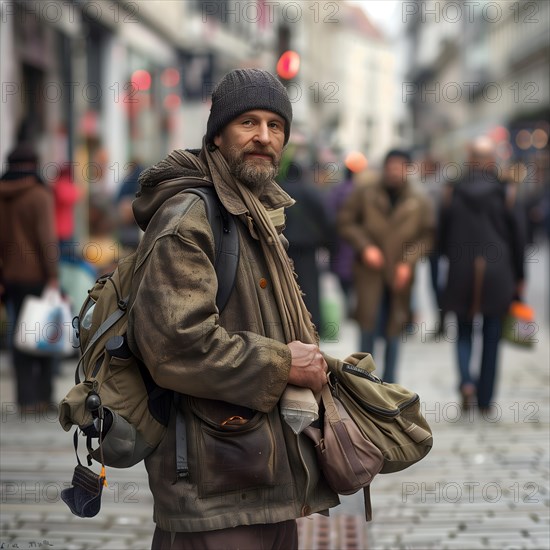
243,90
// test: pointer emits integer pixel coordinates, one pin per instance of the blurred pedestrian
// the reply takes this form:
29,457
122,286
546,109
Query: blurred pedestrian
307,230
128,231
343,255
66,195
101,250
434,185
28,262
483,238
390,227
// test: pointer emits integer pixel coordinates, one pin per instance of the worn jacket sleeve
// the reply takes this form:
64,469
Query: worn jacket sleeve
174,326
350,223
423,246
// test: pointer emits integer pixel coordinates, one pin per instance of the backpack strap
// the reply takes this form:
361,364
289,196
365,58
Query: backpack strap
182,463
226,240
368,506
103,328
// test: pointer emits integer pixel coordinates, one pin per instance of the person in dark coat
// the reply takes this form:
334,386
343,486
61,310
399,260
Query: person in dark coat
128,231
483,238
343,256
307,229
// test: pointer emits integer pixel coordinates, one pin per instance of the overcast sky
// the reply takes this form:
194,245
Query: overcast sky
384,13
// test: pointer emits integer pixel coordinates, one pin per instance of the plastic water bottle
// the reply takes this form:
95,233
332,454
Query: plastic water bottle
86,322
298,407
298,420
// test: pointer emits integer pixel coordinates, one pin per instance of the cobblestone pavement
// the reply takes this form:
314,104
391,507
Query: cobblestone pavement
484,485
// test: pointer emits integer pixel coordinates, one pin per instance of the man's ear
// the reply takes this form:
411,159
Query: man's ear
217,140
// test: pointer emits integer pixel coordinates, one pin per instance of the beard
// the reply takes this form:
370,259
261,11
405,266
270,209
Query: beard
255,173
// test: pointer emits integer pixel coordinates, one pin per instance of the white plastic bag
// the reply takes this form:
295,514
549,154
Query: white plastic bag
44,327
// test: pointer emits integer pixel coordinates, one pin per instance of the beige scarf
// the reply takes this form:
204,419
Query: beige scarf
295,317
294,314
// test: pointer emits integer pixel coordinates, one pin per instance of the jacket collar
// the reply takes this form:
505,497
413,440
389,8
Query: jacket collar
383,198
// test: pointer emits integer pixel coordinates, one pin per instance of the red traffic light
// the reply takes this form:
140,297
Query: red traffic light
288,65
141,80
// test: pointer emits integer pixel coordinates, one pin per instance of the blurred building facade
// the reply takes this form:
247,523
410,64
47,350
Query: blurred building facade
349,75
99,84
479,68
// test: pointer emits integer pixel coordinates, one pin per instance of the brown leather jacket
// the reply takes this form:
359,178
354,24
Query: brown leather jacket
233,364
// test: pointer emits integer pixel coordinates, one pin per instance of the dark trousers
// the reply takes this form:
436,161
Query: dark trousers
33,375
271,536
368,339
491,333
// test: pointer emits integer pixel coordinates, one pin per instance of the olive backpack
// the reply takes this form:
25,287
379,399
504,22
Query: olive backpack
116,400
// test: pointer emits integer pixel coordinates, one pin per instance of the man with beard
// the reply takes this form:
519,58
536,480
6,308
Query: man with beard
250,476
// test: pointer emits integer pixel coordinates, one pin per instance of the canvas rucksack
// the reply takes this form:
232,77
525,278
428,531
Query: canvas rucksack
117,388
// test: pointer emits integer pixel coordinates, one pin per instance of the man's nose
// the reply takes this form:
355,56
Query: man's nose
262,135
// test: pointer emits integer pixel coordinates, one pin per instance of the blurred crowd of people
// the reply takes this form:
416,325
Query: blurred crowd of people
369,230
473,232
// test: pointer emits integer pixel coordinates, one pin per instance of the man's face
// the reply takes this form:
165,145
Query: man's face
395,172
252,145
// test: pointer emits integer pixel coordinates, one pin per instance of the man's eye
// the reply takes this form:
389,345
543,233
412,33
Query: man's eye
275,125
247,122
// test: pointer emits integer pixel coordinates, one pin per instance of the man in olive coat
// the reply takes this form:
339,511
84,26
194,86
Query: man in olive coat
250,475
390,227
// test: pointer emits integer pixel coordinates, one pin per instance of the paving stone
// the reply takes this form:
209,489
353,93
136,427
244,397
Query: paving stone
29,517
540,542
121,545
28,534
59,518
89,539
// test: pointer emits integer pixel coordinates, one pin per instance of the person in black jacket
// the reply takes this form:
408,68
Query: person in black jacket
482,235
128,232
307,229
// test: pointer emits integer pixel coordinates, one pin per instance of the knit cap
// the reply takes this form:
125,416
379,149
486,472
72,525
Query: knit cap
244,90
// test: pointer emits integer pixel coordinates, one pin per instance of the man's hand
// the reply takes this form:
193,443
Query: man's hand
373,257
402,276
308,368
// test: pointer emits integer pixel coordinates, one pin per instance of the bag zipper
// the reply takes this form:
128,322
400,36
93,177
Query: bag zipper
379,410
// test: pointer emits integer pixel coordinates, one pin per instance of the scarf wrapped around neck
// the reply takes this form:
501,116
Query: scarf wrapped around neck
297,324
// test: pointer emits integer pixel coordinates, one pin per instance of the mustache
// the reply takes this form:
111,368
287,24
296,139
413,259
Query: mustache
260,151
